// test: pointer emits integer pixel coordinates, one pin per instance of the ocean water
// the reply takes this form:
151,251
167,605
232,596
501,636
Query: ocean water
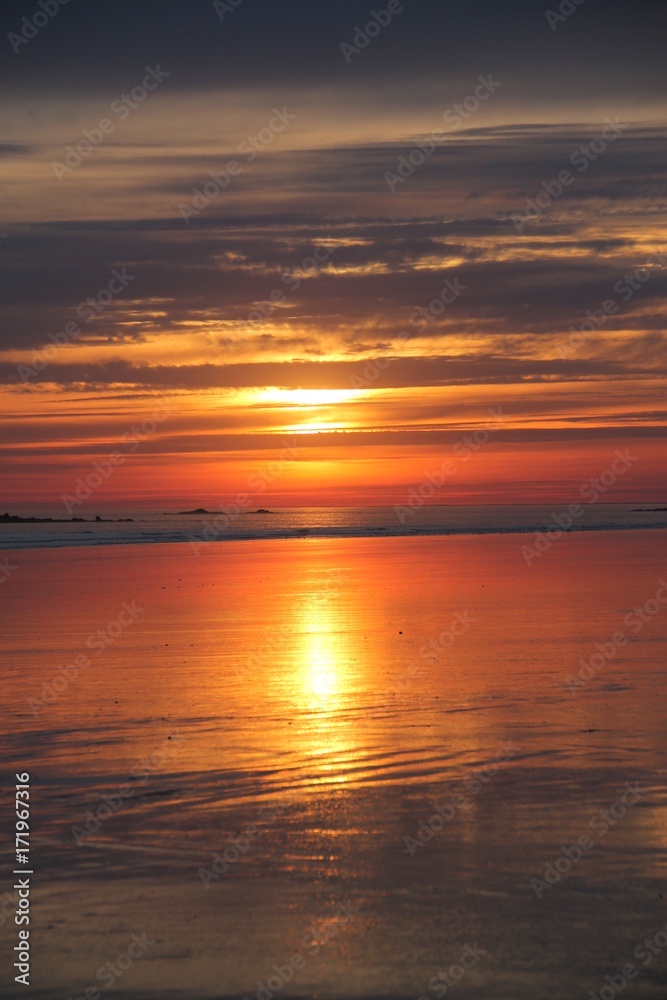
381,726
230,524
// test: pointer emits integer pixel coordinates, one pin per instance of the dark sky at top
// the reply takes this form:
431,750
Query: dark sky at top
609,44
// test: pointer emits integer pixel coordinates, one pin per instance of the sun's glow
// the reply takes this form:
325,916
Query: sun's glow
308,397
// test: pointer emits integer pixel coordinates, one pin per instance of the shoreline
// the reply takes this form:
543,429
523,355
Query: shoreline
322,535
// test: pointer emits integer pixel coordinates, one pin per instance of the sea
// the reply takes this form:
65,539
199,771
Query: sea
229,523
337,762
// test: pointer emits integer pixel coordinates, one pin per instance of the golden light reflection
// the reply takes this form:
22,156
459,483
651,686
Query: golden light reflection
320,674
322,685
321,662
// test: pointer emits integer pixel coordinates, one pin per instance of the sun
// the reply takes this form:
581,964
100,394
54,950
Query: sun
308,397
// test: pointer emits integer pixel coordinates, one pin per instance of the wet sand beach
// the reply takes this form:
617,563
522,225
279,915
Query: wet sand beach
331,767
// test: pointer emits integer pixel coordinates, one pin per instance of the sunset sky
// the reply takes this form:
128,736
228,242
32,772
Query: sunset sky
293,315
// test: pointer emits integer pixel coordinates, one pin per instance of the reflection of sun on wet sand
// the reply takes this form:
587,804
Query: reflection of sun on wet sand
328,674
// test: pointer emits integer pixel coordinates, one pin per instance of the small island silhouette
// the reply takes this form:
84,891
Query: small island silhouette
16,519
202,510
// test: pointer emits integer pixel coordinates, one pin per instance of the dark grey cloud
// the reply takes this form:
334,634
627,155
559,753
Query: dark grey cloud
400,372
541,281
